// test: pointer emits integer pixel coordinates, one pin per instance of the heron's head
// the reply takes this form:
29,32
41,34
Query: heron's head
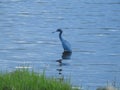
59,30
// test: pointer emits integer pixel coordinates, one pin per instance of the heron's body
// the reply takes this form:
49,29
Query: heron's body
66,45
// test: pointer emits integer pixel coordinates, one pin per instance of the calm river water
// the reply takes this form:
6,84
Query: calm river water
91,26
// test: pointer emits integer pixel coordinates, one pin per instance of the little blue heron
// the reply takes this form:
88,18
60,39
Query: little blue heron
66,45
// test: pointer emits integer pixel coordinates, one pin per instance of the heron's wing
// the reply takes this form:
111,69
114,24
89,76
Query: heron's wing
66,45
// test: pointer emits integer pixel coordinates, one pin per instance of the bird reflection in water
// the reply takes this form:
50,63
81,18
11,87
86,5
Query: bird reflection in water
65,56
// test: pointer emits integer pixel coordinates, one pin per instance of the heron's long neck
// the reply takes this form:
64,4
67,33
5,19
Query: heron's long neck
60,35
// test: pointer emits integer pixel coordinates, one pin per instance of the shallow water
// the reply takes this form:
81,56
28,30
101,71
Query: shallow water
92,27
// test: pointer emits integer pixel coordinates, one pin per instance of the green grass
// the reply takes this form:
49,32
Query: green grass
26,80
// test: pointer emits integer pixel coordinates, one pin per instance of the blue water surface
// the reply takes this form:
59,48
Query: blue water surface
91,26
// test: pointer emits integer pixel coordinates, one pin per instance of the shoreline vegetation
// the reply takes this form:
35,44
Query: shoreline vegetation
23,79
29,80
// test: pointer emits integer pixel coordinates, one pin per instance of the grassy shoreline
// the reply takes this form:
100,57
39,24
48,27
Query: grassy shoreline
23,79
26,80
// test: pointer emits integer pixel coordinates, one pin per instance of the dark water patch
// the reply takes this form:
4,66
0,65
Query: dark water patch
103,64
95,15
12,49
25,13
88,42
75,28
108,28
113,71
115,20
85,52
104,3
95,34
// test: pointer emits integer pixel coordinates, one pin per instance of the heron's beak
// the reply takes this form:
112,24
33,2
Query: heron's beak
54,32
